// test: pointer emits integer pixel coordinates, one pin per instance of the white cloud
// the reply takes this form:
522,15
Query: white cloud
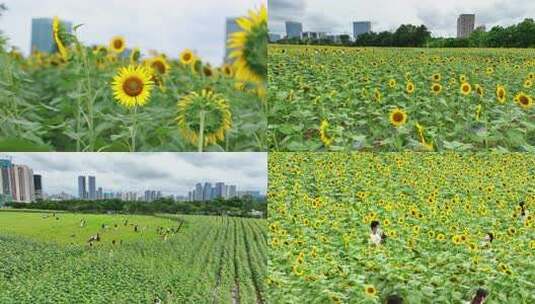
164,25
172,173
439,16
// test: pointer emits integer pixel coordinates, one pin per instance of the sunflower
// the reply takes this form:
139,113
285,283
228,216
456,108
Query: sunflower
392,83
501,94
441,237
463,78
436,77
324,133
159,65
135,55
227,70
528,83
207,71
206,115
524,101
117,44
398,117
377,95
132,86
410,87
370,290
250,47
436,88
479,90
187,57
465,88
511,230
58,32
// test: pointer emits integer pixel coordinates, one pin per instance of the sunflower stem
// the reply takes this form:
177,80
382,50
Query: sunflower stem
134,131
202,116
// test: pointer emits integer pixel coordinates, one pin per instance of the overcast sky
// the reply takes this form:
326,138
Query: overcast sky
171,173
439,16
168,26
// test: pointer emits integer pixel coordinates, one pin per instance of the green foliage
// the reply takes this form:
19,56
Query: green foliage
356,89
435,210
209,259
234,206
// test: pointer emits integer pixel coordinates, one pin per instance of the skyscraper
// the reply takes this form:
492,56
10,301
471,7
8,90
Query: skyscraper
100,194
231,27
24,186
465,25
219,190
207,192
42,35
198,192
6,177
294,29
361,27
92,188
82,190
38,184
232,191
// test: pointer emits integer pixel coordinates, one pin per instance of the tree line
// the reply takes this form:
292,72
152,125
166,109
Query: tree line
235,206
521,35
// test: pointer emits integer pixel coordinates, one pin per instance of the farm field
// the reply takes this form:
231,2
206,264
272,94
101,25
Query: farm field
114,97
435,211
171,258
389,99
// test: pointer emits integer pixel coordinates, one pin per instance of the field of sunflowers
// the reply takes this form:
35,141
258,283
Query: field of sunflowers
114,98
388,99
434,209
138,259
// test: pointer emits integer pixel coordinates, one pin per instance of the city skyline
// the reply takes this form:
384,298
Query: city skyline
171,173
440,18
200,27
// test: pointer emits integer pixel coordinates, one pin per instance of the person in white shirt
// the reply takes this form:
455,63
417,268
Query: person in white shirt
487,240
480,297
377,237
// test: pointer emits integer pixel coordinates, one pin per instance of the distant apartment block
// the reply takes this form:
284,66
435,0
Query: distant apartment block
38,185
465,25
294,29
42,35
314,35
361,27
274,37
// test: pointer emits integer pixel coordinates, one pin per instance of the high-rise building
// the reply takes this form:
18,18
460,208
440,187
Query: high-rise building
42,35
38,184
100,194
232,191
6,177
294,29
24,186
361,27
198,192
219,190
92,188
207,192
190,196
231,27
82,190
465,25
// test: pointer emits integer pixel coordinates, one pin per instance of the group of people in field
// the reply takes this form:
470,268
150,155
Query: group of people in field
378,237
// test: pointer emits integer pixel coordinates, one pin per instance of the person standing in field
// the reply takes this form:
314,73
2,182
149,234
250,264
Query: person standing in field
480,297
377,237
487,240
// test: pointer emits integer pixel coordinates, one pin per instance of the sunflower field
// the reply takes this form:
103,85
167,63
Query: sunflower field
114,98
434,209
388,99
168,259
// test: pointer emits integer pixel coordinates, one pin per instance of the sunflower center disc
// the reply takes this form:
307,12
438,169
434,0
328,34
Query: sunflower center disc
118,44
159,66
523,100
133,86
187,57
398,117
